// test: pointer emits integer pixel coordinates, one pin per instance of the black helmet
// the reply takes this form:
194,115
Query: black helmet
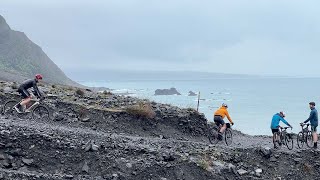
312,103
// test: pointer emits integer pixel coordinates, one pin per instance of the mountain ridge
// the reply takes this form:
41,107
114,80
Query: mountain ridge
20,58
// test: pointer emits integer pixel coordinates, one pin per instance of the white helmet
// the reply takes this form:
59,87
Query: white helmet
282,114
224,105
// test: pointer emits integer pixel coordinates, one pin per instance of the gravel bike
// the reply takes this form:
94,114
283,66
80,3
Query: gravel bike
305,136
282,137
213,134
36,108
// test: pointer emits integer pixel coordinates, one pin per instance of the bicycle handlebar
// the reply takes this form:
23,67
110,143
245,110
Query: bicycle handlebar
305,124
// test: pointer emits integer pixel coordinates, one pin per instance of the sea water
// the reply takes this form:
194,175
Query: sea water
252,102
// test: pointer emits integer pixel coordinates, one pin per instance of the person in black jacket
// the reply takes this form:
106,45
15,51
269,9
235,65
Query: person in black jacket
23,90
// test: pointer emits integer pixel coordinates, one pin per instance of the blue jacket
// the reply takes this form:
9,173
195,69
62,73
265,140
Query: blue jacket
276,121
313,118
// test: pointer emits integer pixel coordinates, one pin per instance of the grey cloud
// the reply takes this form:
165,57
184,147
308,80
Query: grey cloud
251,37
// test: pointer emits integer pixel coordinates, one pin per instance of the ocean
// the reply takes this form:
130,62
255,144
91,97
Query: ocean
252,101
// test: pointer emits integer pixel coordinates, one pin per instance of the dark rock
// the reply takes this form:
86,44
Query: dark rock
192,93
171,91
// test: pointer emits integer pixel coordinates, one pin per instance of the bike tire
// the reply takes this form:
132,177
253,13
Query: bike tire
41,113
8,108
309,139
213,135
228,137
300,140
289,141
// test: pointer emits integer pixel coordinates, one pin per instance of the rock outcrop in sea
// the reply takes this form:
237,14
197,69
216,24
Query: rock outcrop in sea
171,91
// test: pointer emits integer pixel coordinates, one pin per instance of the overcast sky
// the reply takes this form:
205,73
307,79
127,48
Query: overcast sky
278,37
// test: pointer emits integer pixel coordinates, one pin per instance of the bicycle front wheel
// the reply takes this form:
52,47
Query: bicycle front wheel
300,140
8,108
289,141
309,139
213,135
41,113
228,137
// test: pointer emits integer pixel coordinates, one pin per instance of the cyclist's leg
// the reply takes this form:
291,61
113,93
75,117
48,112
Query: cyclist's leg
315,136
26,98
223,127
275,137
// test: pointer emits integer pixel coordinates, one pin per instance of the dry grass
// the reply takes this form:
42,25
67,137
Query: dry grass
307,168
80,92
83,112
204,164
142,110
14,86
107,93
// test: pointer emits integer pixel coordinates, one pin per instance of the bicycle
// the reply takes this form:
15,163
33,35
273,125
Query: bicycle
213,133
35,107
282,137
305,136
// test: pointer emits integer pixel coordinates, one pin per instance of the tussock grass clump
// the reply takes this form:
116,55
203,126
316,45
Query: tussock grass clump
80,92
107,93
142,110
14,85
83,112
204,164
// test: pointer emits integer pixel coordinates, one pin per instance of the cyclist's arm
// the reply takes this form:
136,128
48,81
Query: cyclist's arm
285,122
36,89
310,117
229,118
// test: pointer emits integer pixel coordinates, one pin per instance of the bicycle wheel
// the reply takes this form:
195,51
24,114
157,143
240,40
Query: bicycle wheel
41,112
213,135
309,139
289,141
8,108
300,140
228,136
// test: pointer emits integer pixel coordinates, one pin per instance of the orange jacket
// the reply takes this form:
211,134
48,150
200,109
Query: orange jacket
223,112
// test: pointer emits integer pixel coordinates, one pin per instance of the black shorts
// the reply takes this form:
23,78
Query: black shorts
218,120
274,130
24,93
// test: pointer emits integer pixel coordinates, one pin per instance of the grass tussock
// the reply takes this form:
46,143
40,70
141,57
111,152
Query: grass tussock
107,93
80,92
14,86
83,112
307,168
142,110
204,164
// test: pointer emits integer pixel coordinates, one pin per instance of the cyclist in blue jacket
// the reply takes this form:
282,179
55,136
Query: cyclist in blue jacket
275,124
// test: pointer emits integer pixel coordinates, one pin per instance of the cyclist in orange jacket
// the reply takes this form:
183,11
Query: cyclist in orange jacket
219,115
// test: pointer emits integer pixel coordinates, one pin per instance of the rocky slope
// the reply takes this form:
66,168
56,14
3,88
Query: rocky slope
20,58
94,136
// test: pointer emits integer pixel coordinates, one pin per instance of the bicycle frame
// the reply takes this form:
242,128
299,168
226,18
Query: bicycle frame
35,102
304,131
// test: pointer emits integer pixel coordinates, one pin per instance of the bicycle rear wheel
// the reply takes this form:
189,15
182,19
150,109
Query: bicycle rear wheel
8,108
309,139
213,135
228,136
300,140
41,113
289,141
